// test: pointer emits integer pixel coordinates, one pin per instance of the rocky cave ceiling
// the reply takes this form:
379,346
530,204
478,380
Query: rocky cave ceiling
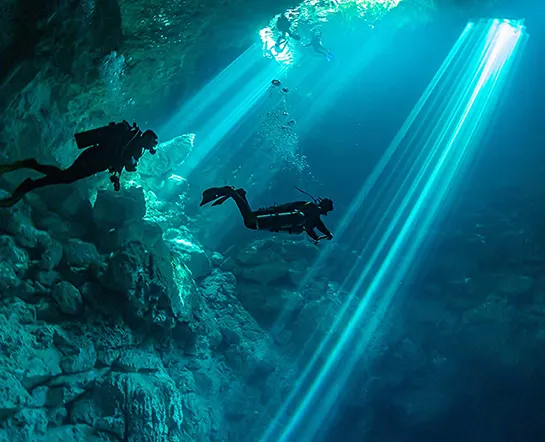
57,53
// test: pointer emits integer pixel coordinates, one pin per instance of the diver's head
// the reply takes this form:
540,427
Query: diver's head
325,205
149,141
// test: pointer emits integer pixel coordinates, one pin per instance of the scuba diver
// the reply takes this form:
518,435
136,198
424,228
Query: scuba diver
316,43
284,25
114,147
296,217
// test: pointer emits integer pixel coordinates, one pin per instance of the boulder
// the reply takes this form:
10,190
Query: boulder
145,279
8,279
13,396
12,256
115,209
73,433
78,253
81,360
43,365
170,155
137,360
50,252
68,298
194,257
16,221
136,407
146,232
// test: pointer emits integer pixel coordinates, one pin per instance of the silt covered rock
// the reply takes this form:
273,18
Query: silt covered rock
145,277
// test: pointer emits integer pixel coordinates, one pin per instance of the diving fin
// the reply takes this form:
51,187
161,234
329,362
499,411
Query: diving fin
214,193
209,195
221,200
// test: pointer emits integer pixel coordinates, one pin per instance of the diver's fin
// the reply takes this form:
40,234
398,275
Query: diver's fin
214,193
209,195
221,200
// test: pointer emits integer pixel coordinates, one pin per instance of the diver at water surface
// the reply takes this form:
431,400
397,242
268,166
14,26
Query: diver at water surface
284,26
115,148
295,217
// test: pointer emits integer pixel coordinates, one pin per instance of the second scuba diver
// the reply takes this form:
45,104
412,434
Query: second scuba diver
316,43
295,217
115,148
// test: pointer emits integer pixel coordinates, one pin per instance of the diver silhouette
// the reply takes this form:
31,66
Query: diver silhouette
294,217
284,27
316,43
115,147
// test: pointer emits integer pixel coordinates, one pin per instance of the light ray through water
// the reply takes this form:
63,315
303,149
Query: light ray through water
462,98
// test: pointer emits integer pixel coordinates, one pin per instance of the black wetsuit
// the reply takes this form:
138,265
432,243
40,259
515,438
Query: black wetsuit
284,27
295,217
120,149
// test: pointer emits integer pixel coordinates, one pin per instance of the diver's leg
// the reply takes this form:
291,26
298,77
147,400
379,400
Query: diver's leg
87,164
30,163
239,196
25,187
42,168
91,161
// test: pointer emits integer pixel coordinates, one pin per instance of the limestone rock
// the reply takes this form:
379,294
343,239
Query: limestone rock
83,360
16,221
13,396
194,257
219,289
141,408
73,433
51,253
45,364
12,256
78,253
146,232
169,157
145,279
8,279
114,209
68,298
79,380
27,425
137,361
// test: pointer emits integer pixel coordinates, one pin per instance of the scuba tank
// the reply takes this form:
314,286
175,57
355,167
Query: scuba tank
277,221
113,130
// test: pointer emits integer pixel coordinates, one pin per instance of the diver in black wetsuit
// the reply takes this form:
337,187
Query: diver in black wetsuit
284,26
115,148
296,217
316,43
